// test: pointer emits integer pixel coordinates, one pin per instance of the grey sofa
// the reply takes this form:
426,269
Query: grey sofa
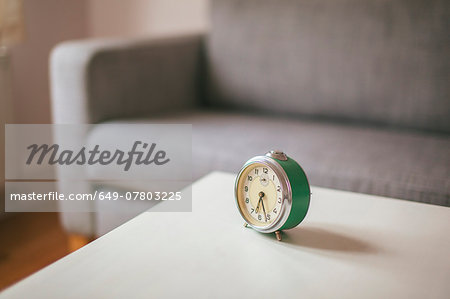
357,91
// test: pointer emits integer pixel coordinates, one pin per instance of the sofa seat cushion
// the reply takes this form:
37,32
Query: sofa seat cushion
398,164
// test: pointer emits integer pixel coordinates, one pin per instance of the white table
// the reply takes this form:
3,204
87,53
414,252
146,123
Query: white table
350,246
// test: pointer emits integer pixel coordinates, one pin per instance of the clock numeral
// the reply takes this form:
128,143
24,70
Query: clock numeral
256,171
250,178
279,200
247,200
265,170
275,210
278,188
253,210
268,217
246,188
259,217
273,178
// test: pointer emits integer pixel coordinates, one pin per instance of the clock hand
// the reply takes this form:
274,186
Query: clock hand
260,201
257,206
264,210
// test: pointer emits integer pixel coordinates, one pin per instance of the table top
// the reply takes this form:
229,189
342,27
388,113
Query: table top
349,246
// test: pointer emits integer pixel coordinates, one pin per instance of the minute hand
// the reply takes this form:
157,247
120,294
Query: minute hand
264,210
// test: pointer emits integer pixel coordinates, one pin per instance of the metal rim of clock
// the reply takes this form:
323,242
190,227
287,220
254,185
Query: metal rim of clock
286,204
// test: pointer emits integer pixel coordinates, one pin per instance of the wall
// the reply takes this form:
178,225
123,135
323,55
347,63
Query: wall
47,23
146,17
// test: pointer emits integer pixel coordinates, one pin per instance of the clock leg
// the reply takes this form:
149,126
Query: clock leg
278,235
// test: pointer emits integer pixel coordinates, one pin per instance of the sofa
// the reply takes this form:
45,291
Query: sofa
357,91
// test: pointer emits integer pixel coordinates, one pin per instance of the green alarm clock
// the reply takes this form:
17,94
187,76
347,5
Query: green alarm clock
272,193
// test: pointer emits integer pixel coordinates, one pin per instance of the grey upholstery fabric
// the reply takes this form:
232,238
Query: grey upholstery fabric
397,164
381,61
105,79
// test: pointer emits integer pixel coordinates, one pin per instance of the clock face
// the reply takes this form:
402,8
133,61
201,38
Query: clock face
259,194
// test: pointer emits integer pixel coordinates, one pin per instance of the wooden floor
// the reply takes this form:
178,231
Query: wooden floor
29,242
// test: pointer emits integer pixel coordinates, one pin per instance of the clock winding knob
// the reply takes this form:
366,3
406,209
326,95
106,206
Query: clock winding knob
277,154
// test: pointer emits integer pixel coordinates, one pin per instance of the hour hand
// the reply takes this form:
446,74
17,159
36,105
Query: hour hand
257,206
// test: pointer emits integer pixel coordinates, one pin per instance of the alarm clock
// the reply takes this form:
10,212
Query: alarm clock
272,193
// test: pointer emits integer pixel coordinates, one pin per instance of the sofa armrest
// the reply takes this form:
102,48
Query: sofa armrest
97,80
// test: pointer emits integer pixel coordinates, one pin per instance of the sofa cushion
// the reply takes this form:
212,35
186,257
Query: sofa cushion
396,164
381,61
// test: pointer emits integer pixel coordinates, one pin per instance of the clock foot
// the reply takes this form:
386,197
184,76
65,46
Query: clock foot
278,235
245,224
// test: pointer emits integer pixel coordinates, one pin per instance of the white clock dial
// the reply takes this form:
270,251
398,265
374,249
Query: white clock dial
261,194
